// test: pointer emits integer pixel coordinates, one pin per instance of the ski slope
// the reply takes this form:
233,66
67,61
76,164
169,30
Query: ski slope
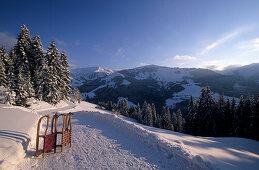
102,140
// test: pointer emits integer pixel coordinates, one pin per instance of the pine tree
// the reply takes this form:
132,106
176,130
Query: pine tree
65,76
233,113
21,68
220,117
77,96
180,121
166,119
229,117
206,125
248,111
53,92
147,118
190,118
154,115
138,116
239,129
3,78
174,121
6,64
40,69
123,107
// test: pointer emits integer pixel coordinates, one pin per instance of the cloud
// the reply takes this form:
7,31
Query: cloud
220,64
249,46
7,40
60,42
220,41
255,44
183,57
143,64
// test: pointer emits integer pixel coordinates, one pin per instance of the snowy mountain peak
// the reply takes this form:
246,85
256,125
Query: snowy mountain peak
104,70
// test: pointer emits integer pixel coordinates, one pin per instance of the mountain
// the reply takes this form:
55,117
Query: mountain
157,84
81,75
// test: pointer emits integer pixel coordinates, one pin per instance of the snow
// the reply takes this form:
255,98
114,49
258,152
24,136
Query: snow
80,75
113,75
161,74
102,140
125,82
16,125
189,89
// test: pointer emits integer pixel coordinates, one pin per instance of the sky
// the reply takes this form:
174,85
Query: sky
126,34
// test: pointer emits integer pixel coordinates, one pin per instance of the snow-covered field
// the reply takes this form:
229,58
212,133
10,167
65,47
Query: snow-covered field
102,140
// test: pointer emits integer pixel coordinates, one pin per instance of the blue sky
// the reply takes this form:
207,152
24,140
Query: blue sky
126,34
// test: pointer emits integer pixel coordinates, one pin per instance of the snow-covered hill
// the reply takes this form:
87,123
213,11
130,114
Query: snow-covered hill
102,140
80,75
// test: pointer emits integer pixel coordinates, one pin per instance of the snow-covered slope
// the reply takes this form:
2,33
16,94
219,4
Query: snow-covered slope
80,75
102,140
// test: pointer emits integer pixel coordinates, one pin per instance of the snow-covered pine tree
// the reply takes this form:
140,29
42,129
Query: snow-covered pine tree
180,121
123,107
21,92
77,97
147,118
206,125
138,116
65,76
166,119
174,121
7,63
11,76
40,68
54,81
3,78
132,112
154,115
21,67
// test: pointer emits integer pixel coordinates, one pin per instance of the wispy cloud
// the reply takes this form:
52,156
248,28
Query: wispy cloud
60,42
143,64
7,40
183,57
249,46
120,52
221,41
219,64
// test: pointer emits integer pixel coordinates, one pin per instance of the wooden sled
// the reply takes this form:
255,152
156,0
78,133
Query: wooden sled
50,140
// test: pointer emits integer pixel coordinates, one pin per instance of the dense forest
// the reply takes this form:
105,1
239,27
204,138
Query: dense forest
205,116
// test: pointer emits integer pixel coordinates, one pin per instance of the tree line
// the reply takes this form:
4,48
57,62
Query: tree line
209,117
147,114
206,116
29,72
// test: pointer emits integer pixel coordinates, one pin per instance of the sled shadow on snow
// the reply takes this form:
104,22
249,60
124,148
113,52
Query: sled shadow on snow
19,137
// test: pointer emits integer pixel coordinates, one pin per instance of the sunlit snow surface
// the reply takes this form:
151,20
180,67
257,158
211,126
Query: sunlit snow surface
102,140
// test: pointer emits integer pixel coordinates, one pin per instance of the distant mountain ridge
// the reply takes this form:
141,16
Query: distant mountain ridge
160,85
